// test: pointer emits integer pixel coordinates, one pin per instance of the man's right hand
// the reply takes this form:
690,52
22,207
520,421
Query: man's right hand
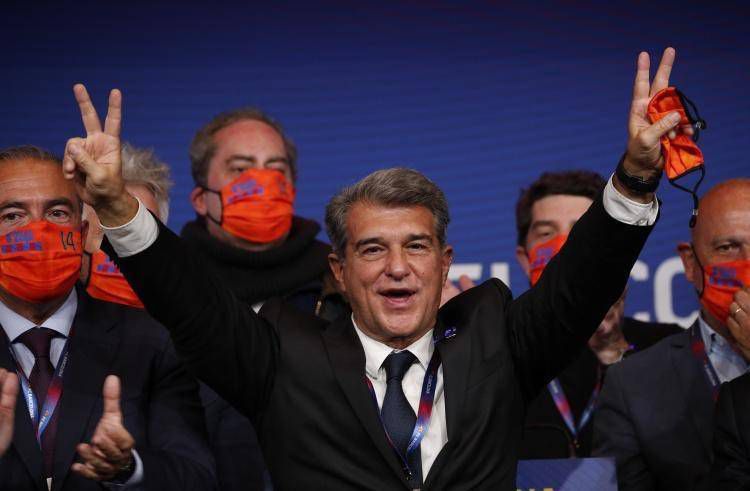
95,163
8,395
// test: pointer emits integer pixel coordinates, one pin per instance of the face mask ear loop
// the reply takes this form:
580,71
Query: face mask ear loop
221,203
693,192
703,273
691,111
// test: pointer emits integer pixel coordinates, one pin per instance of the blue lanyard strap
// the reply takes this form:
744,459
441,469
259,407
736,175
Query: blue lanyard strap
563,406
698,349
40,421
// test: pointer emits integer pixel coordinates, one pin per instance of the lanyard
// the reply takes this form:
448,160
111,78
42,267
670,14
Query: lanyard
563,406
54,392
698,348
426,403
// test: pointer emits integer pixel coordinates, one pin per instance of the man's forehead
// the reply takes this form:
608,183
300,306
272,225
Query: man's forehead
367,219
26,180
560,207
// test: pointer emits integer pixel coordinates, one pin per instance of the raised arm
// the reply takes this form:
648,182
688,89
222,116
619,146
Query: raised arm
551,322
221,339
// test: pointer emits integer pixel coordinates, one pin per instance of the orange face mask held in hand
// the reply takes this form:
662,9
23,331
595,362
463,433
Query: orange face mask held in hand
681,154
40,261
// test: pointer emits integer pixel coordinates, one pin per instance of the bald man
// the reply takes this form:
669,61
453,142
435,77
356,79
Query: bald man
657,407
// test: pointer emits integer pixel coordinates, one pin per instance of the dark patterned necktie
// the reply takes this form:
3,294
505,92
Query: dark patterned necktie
398,416
39,340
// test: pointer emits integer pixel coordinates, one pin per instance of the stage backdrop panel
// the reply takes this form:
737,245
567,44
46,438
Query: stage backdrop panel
480,96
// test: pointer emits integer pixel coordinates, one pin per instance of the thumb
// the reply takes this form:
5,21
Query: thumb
111,395
9,392
653,133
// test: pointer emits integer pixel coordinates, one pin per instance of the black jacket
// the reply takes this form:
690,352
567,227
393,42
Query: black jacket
301,379
656,418
159,403
731,467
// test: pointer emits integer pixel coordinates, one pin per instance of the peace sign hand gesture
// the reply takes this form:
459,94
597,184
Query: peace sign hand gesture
94,162
644,155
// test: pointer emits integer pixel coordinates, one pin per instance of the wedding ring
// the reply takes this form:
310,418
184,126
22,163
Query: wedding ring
737,310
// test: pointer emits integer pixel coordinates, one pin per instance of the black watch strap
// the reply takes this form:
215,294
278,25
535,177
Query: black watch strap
636,183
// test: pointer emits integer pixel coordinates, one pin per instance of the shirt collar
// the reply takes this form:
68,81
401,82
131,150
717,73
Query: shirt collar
376,352
714,342
60,321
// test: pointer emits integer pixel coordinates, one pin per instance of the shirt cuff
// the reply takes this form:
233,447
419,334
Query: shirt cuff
136,235
135,479
625,210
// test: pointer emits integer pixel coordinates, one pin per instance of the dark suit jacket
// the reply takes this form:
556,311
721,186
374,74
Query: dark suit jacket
656,418
731,468
301,379
159,402
546,436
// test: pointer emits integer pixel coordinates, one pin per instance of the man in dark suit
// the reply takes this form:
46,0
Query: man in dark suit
399,395
63,344
558,421
657,407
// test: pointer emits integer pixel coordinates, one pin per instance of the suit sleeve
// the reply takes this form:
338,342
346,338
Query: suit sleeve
177,456
551,322
731,467
222,341
615,436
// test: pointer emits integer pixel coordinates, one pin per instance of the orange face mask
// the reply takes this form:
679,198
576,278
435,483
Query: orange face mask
720,283
681,154
107,283
40,261
257,206
541,254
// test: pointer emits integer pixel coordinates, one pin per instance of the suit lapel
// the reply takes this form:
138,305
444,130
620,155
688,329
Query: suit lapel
348,361
455,372
695,387
93,345
24,438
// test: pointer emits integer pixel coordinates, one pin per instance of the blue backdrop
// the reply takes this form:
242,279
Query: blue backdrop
480,96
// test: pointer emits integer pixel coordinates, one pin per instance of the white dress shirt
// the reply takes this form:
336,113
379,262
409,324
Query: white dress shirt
728,363
142,230
61,322
376,353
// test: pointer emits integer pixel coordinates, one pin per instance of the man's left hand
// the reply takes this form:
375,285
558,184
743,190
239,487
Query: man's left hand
110,451
644,154
738,321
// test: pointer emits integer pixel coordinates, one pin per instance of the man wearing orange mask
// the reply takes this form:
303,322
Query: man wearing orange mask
147,178
70,352
558,421
657,407
245,169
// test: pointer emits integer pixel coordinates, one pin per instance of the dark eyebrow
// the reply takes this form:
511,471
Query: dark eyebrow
12,204
727,238
543,223
58,202
369,240
413,237
246,158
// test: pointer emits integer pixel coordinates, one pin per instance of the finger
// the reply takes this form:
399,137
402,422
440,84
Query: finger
687,129
106,445
9,394
661,79
641,86
81,159
88,111
742,299
85,471
69,163
111,395
672,134
465,283
652,134
113,122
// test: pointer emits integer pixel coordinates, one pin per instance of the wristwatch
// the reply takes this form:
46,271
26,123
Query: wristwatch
636,183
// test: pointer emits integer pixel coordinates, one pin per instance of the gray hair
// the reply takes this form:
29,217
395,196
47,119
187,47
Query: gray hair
391,188
203,148
28,152
141,167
